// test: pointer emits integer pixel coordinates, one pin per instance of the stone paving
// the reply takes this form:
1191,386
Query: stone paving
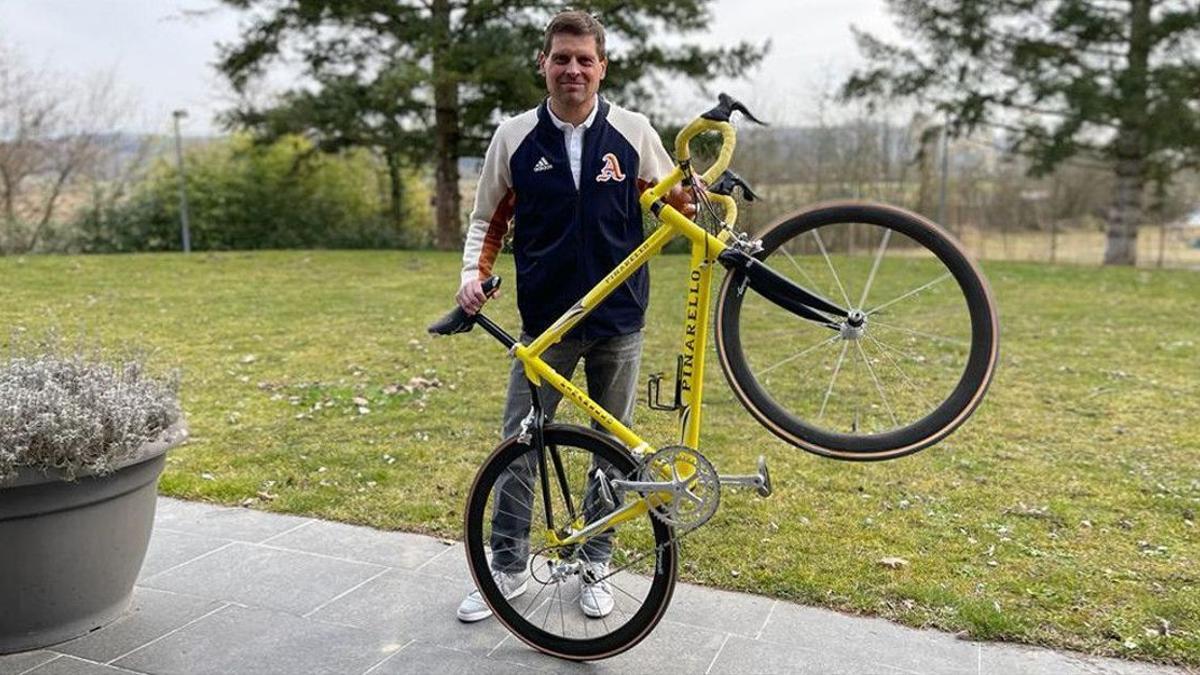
230,590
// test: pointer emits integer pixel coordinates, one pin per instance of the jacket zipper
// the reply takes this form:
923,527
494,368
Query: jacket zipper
579,239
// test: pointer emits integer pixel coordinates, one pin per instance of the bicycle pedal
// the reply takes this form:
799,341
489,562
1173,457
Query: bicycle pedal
764,487
605,490
761,482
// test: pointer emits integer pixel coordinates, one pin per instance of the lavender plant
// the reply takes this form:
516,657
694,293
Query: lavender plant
68,410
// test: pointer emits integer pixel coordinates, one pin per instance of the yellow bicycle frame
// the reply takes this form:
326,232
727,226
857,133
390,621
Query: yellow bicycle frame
704,251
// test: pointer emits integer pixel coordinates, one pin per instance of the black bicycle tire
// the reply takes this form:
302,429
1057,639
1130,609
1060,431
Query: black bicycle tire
932,428
662,587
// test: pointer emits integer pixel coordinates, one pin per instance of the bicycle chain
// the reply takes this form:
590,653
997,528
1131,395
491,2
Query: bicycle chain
657,549
676,534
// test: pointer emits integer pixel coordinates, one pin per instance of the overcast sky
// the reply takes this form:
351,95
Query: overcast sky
165,60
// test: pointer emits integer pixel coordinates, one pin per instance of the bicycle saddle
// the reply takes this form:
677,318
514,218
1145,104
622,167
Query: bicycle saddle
457,320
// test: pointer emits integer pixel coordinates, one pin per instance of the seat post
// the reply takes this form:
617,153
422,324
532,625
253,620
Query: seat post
495,331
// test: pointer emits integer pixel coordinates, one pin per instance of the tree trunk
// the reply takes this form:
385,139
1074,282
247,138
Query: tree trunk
1125,215
1126,212
395,189
8,224
446,134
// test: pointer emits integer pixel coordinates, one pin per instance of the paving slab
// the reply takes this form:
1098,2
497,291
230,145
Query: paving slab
260,576
260,641
739,614
70,665
224,522
746,656
870,640
151,615
450,564
1001,659
14,664
169,549
412,605
670,648
420,658
393,549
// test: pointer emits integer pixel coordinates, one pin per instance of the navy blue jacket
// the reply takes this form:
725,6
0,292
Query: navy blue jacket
566,239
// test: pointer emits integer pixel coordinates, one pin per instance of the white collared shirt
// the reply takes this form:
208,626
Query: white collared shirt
574,137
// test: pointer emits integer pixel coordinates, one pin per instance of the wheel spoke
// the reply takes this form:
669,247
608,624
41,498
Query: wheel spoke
878,384
887,234
809,279
523,483
562,618
798,355
836,369
603,619
829,262
506,536
911,385
931,336
535,597
894,350
911,293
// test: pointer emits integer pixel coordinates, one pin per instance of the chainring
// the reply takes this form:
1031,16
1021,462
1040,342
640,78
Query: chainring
695,490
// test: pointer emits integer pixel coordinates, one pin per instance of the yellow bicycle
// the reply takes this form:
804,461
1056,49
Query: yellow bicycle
851,330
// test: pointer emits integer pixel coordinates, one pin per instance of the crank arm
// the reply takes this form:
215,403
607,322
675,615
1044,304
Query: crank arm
609,488
649,486
628,512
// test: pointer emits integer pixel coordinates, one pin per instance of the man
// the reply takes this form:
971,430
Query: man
569,174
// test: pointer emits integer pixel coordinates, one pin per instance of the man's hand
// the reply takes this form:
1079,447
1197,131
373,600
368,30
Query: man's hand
682,200
470,296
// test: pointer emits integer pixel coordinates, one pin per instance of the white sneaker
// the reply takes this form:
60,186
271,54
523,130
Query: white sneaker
474,608
595,598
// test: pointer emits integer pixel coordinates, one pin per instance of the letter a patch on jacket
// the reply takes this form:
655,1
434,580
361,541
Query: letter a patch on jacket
611,171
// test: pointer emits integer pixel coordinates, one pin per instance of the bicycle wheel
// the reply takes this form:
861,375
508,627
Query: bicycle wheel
506,525
913,370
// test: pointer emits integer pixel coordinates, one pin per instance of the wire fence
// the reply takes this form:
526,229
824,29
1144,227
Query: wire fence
993,235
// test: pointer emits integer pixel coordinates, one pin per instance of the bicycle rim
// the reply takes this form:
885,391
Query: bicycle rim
913,371
548,615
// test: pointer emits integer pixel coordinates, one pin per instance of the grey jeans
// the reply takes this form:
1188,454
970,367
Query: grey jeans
611,367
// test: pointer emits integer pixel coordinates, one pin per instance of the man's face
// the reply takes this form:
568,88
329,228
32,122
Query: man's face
573,69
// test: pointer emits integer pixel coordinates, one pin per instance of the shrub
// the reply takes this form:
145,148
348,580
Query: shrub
75,413
244,195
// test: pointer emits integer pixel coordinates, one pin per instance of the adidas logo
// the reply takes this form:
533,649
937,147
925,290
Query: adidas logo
542,165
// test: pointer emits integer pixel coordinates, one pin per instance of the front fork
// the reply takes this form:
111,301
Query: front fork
533,434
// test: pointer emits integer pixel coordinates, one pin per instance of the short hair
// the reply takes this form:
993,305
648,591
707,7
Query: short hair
575,22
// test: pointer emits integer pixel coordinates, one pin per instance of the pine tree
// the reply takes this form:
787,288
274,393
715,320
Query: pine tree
1118,80
425,81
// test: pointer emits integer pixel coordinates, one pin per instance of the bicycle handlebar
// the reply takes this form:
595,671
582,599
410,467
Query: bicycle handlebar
457,320
716,119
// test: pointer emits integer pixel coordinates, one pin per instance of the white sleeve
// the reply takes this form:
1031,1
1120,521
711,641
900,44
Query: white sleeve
494,205
655,162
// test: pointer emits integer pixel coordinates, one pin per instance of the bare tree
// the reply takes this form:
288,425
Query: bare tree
53,134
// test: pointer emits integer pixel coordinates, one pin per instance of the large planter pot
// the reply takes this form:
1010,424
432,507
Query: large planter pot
71,551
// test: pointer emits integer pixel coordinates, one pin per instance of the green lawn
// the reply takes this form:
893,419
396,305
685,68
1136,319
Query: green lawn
1063,514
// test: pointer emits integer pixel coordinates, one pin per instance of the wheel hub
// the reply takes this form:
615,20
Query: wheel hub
854,326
